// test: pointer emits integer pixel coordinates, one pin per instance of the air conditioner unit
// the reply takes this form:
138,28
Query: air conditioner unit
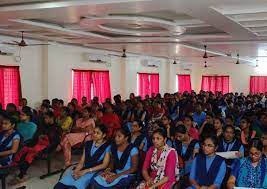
95,58
186,67
150,63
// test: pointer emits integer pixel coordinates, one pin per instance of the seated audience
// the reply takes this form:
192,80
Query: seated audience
81,132
138,139
199,116
174,125
192,131
208,169
47,140
250,172
247,132
65,121
230,143
124,164
96,157
25,127
160,169
111,120
187,148
9,140
11,110
264,142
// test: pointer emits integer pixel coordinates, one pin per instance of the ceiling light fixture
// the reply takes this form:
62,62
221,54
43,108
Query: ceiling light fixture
174,62
205,64
257,63
237,62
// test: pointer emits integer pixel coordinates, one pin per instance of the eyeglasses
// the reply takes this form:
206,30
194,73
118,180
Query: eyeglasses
208,145
257,154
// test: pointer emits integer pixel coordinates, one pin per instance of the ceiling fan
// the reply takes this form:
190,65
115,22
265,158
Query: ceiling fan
206,54
121,56
22,43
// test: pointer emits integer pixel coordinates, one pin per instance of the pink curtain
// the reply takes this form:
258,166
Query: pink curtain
10,86
82,81
184,83
143,85
258,84
148,84
215,84
154,83
101,85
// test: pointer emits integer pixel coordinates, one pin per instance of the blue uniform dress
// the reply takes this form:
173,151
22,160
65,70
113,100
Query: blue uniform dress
199,119
144,141
85,180
6,144
214,172
123,181
182,152
249,176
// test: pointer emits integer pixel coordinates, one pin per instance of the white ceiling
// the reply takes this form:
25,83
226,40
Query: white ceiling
170,28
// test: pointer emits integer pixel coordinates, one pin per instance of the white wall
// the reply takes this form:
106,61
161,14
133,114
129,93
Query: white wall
46,72
30,71
61,61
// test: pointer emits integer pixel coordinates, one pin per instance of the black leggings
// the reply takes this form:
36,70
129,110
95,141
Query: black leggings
23,167
63,186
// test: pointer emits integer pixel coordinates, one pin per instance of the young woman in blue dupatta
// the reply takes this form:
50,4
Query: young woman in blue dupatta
96,157
138,139
229,143
208,169
186,148
124,161
9,140
250,172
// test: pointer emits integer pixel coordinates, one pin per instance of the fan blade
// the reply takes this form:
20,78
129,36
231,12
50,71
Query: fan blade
213,56
16,42
36,44
6,43
114,55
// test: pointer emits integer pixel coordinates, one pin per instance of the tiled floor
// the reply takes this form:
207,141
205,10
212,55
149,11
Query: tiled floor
39,168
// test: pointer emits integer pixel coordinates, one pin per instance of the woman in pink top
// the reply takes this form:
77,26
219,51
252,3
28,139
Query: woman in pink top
162,160
192,131
81,132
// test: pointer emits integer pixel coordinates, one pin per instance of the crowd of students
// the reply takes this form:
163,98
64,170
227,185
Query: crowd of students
171,141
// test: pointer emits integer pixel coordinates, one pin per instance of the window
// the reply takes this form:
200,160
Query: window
91,83
10,89
147,84
184,83
258,84
215,84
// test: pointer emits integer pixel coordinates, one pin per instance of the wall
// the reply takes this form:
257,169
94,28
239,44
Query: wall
30,71
46,72
239,74
61,61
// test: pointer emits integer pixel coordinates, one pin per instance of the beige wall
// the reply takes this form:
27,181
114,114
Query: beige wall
46,72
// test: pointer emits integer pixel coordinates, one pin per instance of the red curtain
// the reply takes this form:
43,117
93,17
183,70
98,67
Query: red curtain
148,84
101,85
215,84
88,82
10,86
154,83
258,84
82,81
184,83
